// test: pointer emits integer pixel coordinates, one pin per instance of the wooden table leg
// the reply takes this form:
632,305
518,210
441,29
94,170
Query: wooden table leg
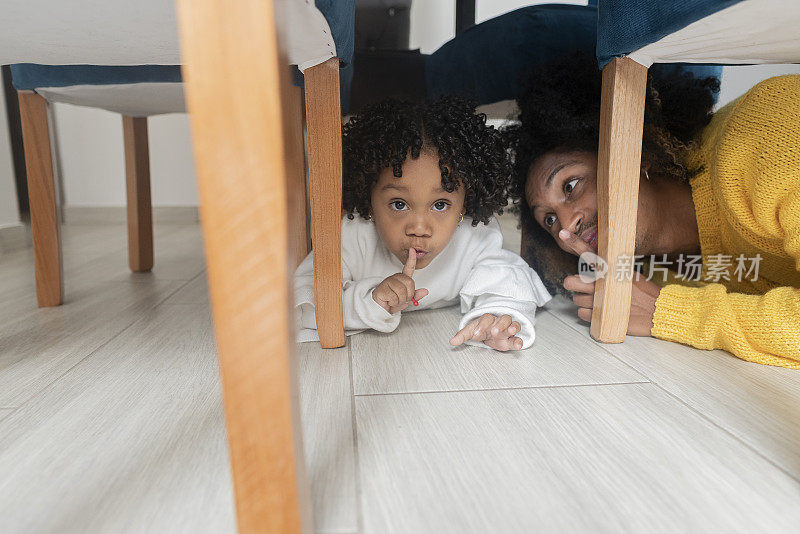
233,71
324,122
42,194
298,227
137,178
618,170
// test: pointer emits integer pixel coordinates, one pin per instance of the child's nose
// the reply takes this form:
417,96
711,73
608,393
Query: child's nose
418,226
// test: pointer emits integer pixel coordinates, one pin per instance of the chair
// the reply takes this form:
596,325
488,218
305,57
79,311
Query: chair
137,92
632,35
248,150
476,64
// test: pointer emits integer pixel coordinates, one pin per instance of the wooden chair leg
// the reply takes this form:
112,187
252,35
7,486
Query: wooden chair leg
234,75
137,178
324,124
298,228
42,194
618,169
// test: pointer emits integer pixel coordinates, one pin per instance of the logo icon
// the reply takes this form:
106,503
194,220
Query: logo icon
591,267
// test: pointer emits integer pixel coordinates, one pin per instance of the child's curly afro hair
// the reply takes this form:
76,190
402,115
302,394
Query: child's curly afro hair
471,154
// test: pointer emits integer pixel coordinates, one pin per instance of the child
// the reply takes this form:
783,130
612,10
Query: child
425,180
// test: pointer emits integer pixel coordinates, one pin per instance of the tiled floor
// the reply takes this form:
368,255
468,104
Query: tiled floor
111,418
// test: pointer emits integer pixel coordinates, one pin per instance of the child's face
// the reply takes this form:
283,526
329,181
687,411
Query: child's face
414,211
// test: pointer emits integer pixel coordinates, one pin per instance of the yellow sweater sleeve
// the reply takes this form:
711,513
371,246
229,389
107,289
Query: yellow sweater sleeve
760,328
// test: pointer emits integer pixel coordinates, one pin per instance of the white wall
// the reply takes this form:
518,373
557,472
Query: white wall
91,140
93,163
9,211
737,80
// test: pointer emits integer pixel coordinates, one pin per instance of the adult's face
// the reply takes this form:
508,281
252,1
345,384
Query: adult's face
561,190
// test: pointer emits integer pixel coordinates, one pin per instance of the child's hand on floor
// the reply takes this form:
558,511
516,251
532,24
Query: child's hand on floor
396,292
495,332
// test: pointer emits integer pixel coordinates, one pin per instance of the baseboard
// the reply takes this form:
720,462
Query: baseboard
14,237
118,214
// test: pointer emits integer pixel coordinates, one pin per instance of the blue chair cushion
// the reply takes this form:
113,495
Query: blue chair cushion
489,62
340,15
624,26
29,76
492,61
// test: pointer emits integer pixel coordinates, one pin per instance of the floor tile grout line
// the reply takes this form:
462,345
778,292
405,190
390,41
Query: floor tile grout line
186,283
121,249
695,410
620,360
106,342
354,424
73,366
730,433
549,386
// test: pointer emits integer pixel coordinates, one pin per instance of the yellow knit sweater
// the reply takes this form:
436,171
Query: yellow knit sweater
747,200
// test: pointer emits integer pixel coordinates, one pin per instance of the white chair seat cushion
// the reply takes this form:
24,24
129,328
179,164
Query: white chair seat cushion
751,31
134,99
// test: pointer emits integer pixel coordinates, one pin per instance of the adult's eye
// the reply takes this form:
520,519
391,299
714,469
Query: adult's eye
549,220
569,187
440,205
398,205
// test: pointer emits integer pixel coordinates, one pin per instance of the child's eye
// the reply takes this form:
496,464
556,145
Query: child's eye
398,205
549,220
440,205
569,187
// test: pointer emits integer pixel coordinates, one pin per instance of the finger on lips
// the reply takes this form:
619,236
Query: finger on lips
408,270
411,263
574,242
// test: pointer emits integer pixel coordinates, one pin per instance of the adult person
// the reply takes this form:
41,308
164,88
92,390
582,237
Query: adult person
721,186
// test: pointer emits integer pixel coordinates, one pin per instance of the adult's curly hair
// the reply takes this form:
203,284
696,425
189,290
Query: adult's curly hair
560,110
471,153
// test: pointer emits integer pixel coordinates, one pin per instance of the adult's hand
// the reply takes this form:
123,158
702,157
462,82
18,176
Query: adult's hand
573,243
643,302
